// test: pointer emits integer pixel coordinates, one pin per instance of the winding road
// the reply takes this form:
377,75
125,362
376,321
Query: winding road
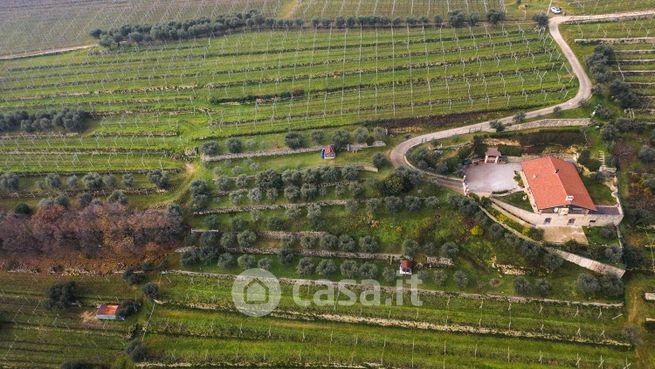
398,154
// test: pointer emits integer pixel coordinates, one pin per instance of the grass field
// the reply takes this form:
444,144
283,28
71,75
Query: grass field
606,7
634,66
154,101
35,336
33,25
346,77
64,24
41,25
198,324
155,104
635,59
429,8
277,342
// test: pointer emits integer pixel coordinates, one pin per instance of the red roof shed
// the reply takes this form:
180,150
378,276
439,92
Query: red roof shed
108,312
405,267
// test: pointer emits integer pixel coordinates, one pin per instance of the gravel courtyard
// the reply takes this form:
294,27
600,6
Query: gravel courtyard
488,178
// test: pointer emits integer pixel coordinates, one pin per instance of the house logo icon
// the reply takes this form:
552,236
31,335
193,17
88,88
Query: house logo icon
256,292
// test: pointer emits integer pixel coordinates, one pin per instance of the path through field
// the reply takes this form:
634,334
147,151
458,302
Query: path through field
289,9
45,52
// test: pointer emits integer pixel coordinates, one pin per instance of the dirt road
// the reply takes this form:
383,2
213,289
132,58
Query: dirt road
398,154
45,52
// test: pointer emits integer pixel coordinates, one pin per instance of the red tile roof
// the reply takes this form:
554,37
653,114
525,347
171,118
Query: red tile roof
493,151
556,183
329,149
107,309
406,264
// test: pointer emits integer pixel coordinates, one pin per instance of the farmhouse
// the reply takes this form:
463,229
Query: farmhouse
555,187
108,312
649,297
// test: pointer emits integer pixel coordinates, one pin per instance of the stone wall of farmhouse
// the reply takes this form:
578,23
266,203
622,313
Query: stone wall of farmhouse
539,220
582,261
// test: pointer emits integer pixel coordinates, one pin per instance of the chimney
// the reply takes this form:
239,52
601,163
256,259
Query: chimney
557,171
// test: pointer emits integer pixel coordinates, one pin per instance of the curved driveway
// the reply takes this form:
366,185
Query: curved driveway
398,153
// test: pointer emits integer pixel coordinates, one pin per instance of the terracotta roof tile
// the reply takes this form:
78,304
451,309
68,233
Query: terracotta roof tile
556,183
493,151
107,309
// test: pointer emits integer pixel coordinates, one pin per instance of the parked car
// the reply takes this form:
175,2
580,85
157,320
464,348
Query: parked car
556,10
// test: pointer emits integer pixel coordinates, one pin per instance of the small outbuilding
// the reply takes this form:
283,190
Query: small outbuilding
492,155
108,312
649,297
328,152
405,267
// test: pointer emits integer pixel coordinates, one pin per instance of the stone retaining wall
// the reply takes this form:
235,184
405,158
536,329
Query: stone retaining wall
556,220
81,173
550,123
614,41
473,296
391,258
281,152
248,208
324,254
584,262
71,193
587,263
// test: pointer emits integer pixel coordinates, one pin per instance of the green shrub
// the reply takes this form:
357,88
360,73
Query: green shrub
294,140
349,269
305,267
587,284
77,365
136,350
151,291
586,160
461,279
508,150
522,286
326,268
62,295
127,308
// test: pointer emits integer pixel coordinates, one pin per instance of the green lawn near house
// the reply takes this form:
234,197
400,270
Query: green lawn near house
595,236
599,192
518,199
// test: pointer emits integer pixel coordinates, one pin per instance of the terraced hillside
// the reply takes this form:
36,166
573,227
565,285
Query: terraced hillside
37,337
418,8
605,7
219,139
35,25
632,42
196,324
166,96
358,335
